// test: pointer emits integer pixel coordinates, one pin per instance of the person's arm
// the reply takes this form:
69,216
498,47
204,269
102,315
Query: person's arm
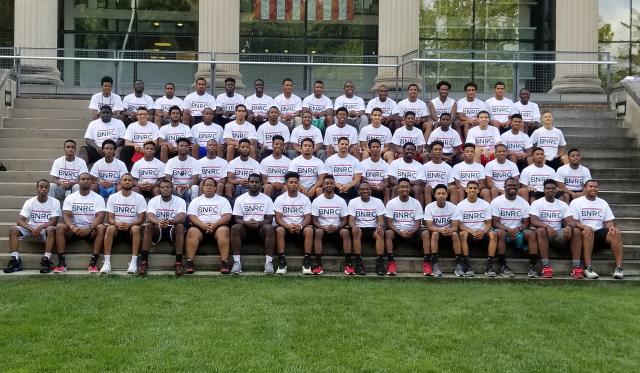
490,183
111,218
281,221
224,220
498,224
92,143
391,225
354,182
306,221
318,184
537,223
268,219
197,222
139,220
231,178
152,218
463,228
343,223
611,227
99,219
179,219
316,222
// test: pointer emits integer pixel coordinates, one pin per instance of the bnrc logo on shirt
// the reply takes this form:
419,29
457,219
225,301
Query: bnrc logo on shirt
329,211
307,170
484,141
65,174
165,214
316,108
501,175
509,213
109,175
591,213
40,216
124,210
473,216
551,141
343,170
208,210
108,133
573,180
82,208
253,208
211,172
204,137
260,108
470,111
140,138
239,135
469,175
537,179
374,174
409,174
229,107
182,173
404,215
436,175
243,173
147,173
275,170
551,215
442,221
366,214
351,106
290,108
293,210
198,105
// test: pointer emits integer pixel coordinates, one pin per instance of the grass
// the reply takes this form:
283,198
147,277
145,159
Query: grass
253,323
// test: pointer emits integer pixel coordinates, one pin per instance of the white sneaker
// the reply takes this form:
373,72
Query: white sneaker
106,268
237,268
618,274
590,273
268,267
133,268
282,270
306,270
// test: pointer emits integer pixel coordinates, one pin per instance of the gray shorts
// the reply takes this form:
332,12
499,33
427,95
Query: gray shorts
26,234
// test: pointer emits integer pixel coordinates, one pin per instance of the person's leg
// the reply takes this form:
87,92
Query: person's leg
194,237
238,232
222,238
615,243
428,194
587,246
464,243
269,236
543,243
532,243
418,193
280,234
109,236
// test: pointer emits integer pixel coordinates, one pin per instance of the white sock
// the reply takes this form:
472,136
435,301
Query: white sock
15,255
47,255
268,258
134,259
107,259
236,258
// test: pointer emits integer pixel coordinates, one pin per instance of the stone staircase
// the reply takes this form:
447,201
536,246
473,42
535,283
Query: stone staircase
33,134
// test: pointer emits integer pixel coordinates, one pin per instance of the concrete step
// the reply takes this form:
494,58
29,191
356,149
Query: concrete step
34,133
45,123
29,143
609,141
595,132
51,103
22,176
14,202
559,114
614,162
620,196
616,173
7,189
601,152
50,113
27,164
587,123
35,152
627,210
619,184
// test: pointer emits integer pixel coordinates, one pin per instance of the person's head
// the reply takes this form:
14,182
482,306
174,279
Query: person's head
483,117
201,85
375,146
408,151
468,152
470,90
241,113
105,114
209,187
341,115
440,193
472,189
364,190
318,88
443,88
212,147
511,187
292,179
84,181
138,86
277,142
169,90
383,93
42,188
244,147
328,184
166,188
230,85
412,91
547,119
435,149
538,155
550,189
404,187
307,146
409,119
142,114
307,118
207,115
349,88
108,148
69,148
591,189
376,115
499,88
445,121
501,152
183,144
175,113
149,148
524,96
574,156
343,145
516,122
287,86
273,114
126,181
258,84
255,183
107,84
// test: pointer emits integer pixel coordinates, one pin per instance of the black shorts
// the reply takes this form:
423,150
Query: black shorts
416,238
474,244
163,233
538,195
367,234
600,238
92,154
555,163
349,195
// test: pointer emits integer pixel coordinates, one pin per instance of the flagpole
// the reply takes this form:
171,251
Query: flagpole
306,50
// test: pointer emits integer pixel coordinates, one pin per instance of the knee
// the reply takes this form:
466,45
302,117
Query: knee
135,229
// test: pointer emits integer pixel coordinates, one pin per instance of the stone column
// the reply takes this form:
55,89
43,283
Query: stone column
576,30
36,26
398,27
219,32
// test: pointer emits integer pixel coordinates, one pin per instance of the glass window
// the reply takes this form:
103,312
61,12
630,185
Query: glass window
6,26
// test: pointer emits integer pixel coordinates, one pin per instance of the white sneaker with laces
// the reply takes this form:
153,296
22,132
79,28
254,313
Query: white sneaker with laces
106,268
618,274
268,267
133,268
590,273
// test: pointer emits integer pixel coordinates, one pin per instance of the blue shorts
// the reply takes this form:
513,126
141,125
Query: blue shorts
518,243
202,152
106,192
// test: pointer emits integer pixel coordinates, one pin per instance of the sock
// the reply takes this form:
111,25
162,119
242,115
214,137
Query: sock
545,262
281,256
236,258
179,258
457,257
15,255
47,255
145,255
434,258
134,259
427,257
319,259
348,257
107,259
61,260
268,258
533,259
380,257
575,262
94,259
502,259
390,257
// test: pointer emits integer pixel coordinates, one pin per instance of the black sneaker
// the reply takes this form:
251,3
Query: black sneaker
489,271
360,268
468,271
282,266
189,268
505,271
45,265
14,265
224,267
380,271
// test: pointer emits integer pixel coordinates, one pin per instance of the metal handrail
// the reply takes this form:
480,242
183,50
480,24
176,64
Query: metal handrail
551,62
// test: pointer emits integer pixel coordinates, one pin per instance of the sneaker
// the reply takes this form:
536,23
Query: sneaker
547,271
505,271
468,271
349,270
532,273
133,268
437,271
306,266
224,267
590,273
60,268
179,271
577,272
458,271
318,270
189,268
488,271
268,268
282,267
93,268
45,265
360,271
142,268
392,269
426,268
380,267
237,268
106,268
618,273
14,265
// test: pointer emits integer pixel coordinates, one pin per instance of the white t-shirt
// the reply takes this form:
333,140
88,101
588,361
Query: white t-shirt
442,107
550,213
171,134
473,215
374,172
450,138
148,172
441,217
510,212
484,138
412,171
166,210
499,172
98,101
249,207
202,133
388,106
381,133
227,103
139,134
300,133
259,105
181,172
68,171
354,103
404,214
534,176
293,209
333,133
309,169
438,173
516,142
83,208
591,213
288,105
419,107
39,213
549,140
500,109
465,172
266,131
530,112
99,131
111,172
366,213
573,179
237,132
209,210
196,103
242,169
329,211
164,104
275,169
470,109
126,209
131,102
343,169
215,168
403,136
317,105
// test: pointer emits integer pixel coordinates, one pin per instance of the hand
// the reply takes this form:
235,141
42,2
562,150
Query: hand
277,186
106,184
614,231
252,223
513,232
244,182
380,230
35,232
84,232
551,232
446,231
163,224
330,229
356,230
478,235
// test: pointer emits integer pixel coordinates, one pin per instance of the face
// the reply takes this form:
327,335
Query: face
469,153
538,156
499,90
328,185
501,153
105,116
511,187
409,151
183,148
374,149
293,183
259,86
175,115
201,86
436,151
69,148
306,118
550,191
212,147
383,93
443,91
445,121
207,115
43,188
575,158
278,145
343,146
126,182
209,188
229,87
106,88
592,189
365,191
349,88
409,120
142,116
516,124
138,86
471,92
84,181
244,149
241,113
287,87
307,147
413,92
524,96
165,189
483,119
547,119
149,151
108,150
254,184
341,116
376,117
441,195
318,89
273,115
404,189
169,90
472,191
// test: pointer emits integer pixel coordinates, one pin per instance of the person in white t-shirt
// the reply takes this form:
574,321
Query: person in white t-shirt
499,170
500,108
319,105
253,217
450,138
346,170
443,103
163,104
290,105
532,178
205,131
169,134
107,171
338,130
104,128
551,139
510,218
310,169
227,102
518,143
407,167
237,130
166,217
273,168
572,177
258,104
197,101
376,130
375,172
553,221
37,219
468,170
239,169
404,217
148,172
105,98
436,172
595,220
83,214
408,133
485,138
390,113
468,108
306,130
133,101
125,216
209,216
272,127
184,171
529,111
418,107
366,219
212,166
354,105
293,218
65,171
136,135
329,214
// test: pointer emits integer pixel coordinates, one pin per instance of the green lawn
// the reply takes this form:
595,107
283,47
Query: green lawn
257,323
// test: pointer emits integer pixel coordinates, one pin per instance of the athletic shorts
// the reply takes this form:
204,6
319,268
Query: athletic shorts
538,195
25,233
106,192
519,243
600,238
367,234
202,152
555,163
416,238
166,233
474,244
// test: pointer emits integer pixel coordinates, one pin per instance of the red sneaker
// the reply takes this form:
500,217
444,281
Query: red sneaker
60,268
426,269
179,270
142,268
189,267
224,267
392,270
93,269
317,270
349,270
577,272
547,271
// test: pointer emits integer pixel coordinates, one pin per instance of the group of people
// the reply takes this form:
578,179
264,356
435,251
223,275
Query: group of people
223,169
